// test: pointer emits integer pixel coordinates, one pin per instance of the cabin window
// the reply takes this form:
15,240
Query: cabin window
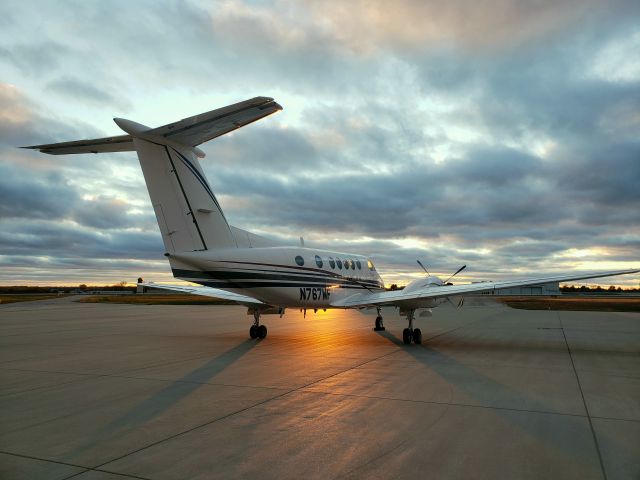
359,265
299,260
332,262
339,262
318,261
346,264
370,265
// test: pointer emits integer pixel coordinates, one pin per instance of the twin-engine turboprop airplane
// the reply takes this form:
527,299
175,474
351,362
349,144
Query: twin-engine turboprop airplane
230,263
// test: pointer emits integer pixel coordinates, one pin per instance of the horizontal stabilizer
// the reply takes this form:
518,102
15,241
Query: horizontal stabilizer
191,131
201,128
121,143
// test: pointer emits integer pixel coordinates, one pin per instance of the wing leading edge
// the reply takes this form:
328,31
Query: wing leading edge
421,297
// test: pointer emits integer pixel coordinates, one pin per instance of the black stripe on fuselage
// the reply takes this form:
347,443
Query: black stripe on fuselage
234,276
267,284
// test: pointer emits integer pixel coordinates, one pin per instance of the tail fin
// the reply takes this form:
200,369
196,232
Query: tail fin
187,211
189,216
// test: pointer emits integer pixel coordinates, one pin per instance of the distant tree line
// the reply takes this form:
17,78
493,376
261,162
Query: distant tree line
118,287
597,288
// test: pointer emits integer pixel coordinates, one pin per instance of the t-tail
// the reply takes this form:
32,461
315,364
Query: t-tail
187,211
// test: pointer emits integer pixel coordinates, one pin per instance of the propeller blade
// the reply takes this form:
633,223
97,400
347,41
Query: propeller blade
459,270
423,267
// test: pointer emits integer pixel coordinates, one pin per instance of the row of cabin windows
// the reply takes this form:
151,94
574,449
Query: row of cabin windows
348,263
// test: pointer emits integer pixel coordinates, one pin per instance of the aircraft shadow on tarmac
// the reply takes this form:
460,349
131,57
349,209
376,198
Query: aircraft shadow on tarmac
485,390
151,408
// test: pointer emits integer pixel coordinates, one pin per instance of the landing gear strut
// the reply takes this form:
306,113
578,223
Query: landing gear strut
257,330
409,334
379,323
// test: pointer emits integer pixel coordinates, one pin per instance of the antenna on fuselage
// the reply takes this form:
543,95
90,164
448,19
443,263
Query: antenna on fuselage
424,268
301,242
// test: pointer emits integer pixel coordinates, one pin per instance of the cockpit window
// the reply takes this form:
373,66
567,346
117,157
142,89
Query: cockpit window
339,262
318,261
332,262
299,260
370,265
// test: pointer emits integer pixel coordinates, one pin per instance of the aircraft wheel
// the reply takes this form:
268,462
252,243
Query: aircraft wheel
262,331
406,336
253,333
379,325
417,336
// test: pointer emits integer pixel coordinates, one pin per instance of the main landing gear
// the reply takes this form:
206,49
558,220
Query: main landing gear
411,334
257,330
379,323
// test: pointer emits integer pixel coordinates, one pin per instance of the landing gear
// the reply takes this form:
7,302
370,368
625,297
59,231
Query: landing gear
407,335
379,323
417,336
257,330
411,334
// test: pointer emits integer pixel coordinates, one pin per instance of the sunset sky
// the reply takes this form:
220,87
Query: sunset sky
503,135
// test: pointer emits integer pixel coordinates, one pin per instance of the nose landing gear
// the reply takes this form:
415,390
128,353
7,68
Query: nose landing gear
411,334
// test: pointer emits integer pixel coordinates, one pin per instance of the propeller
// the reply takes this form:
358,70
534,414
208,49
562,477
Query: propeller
459,270
424,268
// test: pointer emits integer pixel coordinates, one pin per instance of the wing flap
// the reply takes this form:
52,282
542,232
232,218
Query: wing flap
413,298
120,143
206,292
201,128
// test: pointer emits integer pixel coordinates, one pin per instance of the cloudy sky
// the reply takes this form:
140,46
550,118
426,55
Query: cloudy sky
503,135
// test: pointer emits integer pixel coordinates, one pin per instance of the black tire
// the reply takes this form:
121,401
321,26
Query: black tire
406,336
417,336
253,332
262,331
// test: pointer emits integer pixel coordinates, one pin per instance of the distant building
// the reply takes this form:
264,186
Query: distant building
546,289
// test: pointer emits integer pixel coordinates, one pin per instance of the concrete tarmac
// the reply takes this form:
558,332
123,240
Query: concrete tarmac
93,391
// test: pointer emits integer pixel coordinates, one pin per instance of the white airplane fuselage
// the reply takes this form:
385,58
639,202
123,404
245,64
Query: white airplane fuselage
297,277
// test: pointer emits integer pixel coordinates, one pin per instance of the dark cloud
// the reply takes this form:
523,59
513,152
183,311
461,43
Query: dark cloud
28,196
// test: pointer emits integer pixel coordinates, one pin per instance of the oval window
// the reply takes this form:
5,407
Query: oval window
346,264
318,261
370,265
339,262
300,260
332,262
359,265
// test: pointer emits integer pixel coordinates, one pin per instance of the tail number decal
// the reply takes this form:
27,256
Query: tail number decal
319,293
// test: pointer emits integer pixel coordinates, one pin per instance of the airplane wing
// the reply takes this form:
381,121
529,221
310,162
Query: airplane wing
121,143
206,292
421,297
201,128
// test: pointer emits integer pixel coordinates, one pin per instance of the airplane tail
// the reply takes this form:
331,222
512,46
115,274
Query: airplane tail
187,211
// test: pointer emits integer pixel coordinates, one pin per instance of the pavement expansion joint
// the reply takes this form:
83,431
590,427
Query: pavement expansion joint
584,402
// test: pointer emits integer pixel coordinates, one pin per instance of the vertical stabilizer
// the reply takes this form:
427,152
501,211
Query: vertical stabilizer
189,216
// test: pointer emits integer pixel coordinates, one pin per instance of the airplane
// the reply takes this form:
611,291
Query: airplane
230,263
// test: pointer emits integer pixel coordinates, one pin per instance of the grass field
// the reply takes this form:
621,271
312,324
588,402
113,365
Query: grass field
141,299
574,303
26,297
